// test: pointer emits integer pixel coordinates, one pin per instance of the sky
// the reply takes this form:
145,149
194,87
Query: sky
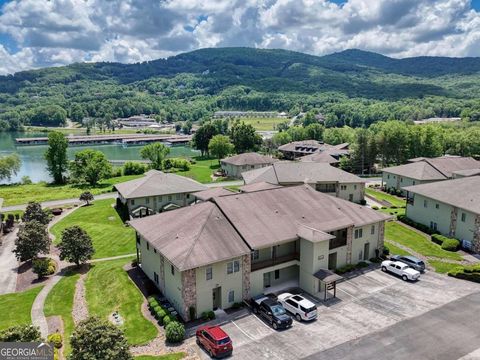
39,33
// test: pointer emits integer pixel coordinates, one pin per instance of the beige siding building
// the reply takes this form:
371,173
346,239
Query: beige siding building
157,192
231,247
234,166
451,207
321,176
426,170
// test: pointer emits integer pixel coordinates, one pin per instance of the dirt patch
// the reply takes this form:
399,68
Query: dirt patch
55,325
26,278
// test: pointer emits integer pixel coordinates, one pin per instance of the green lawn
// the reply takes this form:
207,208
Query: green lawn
264,124
202,169
108,289
60,302
15,308
395,250
393,212
174,356
380,195
415,241
22,194
110,236
442,267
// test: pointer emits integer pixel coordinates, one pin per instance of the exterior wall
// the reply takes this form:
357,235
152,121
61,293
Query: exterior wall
313,257
463,230
358,245
157,202
398,182
357,190
220,278
235,171
288,271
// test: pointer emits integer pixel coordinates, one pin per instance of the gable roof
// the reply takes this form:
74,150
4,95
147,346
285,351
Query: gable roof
158,183
440,168
192,236
288,172
304,146
251,158
323,157
269,217
258,187
463,193
213,192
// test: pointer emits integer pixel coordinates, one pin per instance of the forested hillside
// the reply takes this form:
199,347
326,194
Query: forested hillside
352,88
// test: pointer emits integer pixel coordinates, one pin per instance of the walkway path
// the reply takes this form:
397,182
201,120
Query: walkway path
8,263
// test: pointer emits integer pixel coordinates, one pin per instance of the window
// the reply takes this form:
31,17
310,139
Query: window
388,176
372,230
358,233
233,266
188,196
244,167
147,200
464,217
433,225
413,182
425,203
343,187
132,202
437,206
292,303
277,274
354,187
255,255
148,246
169,197
350,197
179,196
154,250
160,198
172,269
155,277
208,273
231,296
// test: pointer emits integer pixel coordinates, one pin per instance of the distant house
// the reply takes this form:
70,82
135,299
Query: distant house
213,192
451,207
234,166
245,114
425,170
320,176
298,149
217,253
157,192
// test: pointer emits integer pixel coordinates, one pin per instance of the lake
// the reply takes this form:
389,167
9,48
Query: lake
34,164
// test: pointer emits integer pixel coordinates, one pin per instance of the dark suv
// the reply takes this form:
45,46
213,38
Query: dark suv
272,311
412,261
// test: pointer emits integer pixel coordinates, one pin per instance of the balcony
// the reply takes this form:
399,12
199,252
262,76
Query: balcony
326,188
257,265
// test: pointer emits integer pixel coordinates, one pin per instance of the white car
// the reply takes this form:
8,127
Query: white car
401,269
302,308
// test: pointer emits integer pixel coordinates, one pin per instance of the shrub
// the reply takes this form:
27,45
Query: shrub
134,168
208,315
386,250
361,264
363,202
55,339
375,207
471,273
174,332
345,269
167,319
237,305
384,207
156,309
416,225
393,207
160,315
21,333
438,239
43,267
152,301
116,172
451,244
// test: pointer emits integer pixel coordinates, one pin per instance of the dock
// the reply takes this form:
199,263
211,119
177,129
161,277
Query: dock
126,139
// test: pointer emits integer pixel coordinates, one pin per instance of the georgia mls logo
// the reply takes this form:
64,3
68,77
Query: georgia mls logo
26,351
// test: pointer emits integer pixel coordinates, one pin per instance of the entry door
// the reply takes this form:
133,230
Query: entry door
267,281
217,298
366,251
332,261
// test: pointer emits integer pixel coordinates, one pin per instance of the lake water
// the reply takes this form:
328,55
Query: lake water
34,164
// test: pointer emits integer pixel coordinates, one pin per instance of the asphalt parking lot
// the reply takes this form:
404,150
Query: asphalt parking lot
376,306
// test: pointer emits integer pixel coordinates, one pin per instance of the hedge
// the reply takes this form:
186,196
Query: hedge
445,242
418,226
471,273
55,339
174,332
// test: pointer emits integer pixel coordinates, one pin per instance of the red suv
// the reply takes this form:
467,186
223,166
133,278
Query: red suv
215,341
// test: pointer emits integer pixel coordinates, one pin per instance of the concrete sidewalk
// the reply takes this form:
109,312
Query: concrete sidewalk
8,263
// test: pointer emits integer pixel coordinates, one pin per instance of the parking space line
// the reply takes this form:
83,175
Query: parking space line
263,323
346,292
243,331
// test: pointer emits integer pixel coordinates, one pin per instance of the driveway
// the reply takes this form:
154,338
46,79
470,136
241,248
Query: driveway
8,264
365,305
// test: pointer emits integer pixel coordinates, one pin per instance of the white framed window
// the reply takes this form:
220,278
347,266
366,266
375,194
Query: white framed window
343,187
208,273
358,233
372,230
233,267
231,296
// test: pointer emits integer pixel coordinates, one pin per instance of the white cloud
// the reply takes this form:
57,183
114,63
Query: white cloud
64,31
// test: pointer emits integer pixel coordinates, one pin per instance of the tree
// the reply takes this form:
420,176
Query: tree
244,137
220,146
9,166
76,245
90,166
32,239
87,197
95,338
21,333
34,211
203,135
314,131
56,156
155,152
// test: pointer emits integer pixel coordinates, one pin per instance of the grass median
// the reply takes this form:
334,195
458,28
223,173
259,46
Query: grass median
15,308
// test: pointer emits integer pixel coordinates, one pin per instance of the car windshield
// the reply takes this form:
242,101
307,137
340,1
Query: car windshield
223,341
278,310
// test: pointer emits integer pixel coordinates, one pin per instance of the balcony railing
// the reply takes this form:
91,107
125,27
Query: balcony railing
262,264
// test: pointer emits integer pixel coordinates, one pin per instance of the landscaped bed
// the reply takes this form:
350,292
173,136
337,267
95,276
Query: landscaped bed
109,289
110,236
419,243
383,196
15,308
202,169
443,267
60,302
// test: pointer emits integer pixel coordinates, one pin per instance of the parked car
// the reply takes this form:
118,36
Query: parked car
412,261
302,308
215,341
272,311
400,269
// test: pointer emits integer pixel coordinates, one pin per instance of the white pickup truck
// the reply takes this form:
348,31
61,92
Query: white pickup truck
400,269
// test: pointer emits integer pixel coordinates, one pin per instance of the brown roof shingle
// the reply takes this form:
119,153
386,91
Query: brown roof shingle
251,158
212,192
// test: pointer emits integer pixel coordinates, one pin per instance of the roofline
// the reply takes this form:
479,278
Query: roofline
140,197
415,178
